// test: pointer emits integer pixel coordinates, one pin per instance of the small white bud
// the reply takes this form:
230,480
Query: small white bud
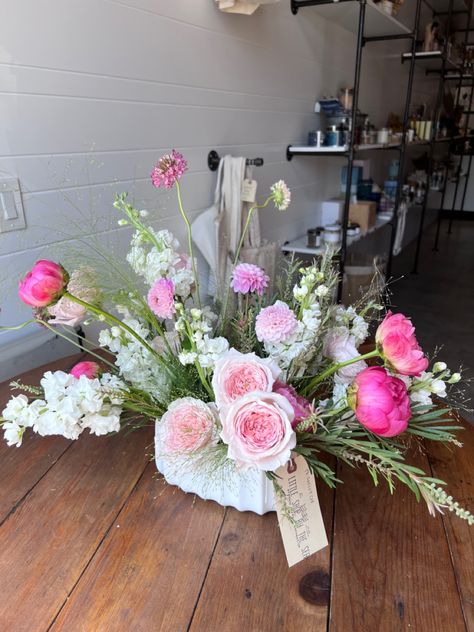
455,378
438,367
122,222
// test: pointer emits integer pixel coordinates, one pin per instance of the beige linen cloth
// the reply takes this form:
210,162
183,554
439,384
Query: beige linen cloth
241,6
217,231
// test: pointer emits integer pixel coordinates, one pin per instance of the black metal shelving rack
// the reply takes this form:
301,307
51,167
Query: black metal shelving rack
352,149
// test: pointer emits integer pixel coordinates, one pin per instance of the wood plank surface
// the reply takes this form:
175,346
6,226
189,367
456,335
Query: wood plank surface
249,585
392,569
47,543
148,573
456,467
21,468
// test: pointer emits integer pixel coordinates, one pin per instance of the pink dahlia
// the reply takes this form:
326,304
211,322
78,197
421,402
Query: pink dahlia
275,323
168,170
396,339
161,298
248,277
301,406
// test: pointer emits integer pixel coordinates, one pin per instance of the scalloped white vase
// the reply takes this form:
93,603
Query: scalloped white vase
250,491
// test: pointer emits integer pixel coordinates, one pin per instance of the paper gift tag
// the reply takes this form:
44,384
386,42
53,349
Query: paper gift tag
298,510
249,190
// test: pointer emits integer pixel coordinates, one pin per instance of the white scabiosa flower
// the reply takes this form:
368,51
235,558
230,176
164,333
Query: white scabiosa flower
281,195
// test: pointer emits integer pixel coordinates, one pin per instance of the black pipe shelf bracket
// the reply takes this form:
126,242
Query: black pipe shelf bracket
213,160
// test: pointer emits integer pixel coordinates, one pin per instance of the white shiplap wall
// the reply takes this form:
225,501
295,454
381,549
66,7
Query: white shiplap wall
92,92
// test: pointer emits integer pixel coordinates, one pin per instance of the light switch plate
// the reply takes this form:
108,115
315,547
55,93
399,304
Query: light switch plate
12,215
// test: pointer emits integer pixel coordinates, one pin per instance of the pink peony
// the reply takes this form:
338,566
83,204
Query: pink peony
188,425
89,369
275,323
168,170
161,298
395,337
380,401
248,277
301,407
44,284
237,374
257,429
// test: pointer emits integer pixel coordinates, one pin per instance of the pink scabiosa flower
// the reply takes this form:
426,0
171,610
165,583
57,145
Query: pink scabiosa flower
88,369
188,425
44,284
257,429
168,170
248,277
275,323
237,374
301,407
395,337
381,402
161,298
281,195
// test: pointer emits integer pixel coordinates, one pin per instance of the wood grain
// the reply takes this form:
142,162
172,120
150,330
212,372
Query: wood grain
149,571
21,468
49,540
392,569
456,467
249,585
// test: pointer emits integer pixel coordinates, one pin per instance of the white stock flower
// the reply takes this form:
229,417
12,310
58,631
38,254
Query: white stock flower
12,433
339,346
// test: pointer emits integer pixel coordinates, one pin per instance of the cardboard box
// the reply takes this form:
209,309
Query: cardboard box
364,214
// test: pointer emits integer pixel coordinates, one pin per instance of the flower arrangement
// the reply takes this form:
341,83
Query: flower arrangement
244,385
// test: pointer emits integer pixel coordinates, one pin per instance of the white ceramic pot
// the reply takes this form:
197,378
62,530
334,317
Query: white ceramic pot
247,491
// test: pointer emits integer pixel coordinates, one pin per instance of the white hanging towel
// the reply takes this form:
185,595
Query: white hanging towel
402,218
241,6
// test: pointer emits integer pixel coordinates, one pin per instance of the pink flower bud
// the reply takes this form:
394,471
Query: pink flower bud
44,284
88,369
395,337
380,401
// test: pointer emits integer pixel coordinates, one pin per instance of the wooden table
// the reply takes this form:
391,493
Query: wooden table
92,540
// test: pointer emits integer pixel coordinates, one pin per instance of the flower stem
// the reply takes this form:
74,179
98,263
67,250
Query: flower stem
335,367
190,242
236,258
116,321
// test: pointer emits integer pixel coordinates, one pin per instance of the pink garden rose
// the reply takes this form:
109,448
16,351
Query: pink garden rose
339,346
257,429
301,407
275,323
89,369
395,337
248,277
44,284
188,425
380,401
237,374
161,298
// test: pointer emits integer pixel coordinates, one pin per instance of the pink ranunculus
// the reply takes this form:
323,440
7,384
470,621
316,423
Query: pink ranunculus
161,298
275,323
67,312
301,407
184,262
237,374
44,284
248,277
396,339
380,401
257,429
188,425
89,369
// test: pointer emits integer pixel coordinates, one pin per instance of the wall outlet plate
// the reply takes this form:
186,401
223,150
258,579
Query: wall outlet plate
12,214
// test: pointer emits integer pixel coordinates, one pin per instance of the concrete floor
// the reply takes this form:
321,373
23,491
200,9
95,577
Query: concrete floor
440,298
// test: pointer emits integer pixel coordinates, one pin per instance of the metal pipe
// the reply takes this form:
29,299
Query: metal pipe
406,115
350,160
430,160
